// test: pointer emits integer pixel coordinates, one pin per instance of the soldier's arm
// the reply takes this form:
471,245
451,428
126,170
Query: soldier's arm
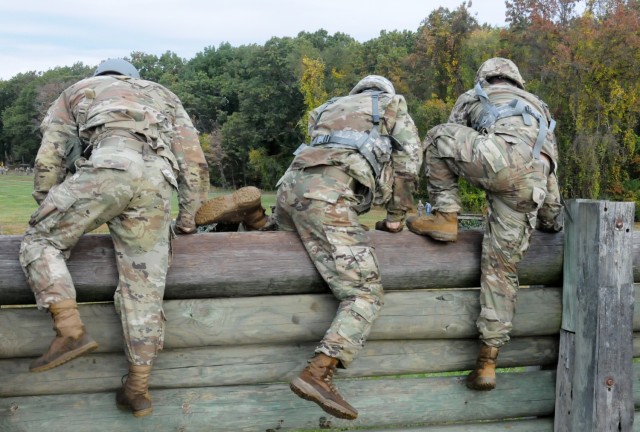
460,112
59,133
406,159
550,216
193,178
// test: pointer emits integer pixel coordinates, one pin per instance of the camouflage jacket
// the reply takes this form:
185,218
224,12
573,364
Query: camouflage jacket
95,107
468,109
394,187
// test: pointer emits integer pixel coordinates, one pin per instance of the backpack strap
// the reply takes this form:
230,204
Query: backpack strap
491,114
323,108
359,144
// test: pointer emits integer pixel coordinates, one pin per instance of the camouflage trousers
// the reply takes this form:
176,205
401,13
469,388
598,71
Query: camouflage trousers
319,208
131,193
516,185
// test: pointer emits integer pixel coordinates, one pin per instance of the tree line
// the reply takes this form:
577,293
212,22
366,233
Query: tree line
250,102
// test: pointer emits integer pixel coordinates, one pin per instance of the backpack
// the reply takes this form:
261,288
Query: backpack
373,146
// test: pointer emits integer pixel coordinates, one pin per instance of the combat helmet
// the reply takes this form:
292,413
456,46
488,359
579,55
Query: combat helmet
373,81
117,67
500,67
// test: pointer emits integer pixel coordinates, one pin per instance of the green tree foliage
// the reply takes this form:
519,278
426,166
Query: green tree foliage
312,88
250,103
586,68
29,97
437,61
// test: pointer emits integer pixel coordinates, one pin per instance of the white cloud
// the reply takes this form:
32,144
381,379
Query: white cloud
42,34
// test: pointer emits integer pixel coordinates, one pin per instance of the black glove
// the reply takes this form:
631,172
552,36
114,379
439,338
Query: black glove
382,226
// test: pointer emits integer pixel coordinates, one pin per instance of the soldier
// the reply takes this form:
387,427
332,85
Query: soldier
140,145
500,138
364,150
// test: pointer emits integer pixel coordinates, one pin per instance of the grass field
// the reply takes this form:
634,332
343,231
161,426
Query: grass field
17,205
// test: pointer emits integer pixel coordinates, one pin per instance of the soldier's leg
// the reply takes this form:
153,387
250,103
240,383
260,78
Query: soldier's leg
505,242
340,250
451,151
78,205
141,237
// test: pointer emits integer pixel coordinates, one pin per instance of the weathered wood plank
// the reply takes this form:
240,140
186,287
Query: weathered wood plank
418,314
258,364
423,401
248,263
537,425
596,351
381,403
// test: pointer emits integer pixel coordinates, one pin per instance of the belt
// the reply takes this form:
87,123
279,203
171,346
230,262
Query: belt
333,172
122,142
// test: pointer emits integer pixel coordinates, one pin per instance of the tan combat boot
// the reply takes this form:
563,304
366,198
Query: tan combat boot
70,342
484,375
134,394
439,226
241,206
315,384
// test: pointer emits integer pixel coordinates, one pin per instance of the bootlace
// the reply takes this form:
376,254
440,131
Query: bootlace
328,378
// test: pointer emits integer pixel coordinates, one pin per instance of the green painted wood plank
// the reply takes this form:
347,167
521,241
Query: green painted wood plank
418,314
381,403
255,364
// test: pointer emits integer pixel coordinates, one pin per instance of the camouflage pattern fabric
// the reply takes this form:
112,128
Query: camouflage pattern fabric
500,67
394,188
144,147
521,191
104,106
318,196
320,209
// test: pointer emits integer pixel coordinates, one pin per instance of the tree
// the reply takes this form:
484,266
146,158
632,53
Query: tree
9,93
312,88
437,60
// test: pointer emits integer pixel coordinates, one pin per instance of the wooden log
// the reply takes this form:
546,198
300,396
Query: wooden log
382,403
594,391
417,314
423,403
265,263
259,364
535,425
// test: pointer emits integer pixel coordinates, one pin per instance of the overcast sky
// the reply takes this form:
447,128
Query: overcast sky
37,35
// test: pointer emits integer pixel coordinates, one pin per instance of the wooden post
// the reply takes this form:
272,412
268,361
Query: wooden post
594,380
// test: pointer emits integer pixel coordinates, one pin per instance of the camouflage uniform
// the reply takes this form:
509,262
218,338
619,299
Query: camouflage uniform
324,190
143,146
522,191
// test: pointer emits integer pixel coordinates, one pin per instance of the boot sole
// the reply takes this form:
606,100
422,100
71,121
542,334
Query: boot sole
443,237
85,349
307,392
481,385
219,209
140,413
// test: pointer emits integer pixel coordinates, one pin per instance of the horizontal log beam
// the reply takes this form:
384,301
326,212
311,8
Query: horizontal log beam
265,263
417,314
381,403
259,364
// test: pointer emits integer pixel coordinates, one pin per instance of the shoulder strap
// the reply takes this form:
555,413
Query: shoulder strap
323,108
516,107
